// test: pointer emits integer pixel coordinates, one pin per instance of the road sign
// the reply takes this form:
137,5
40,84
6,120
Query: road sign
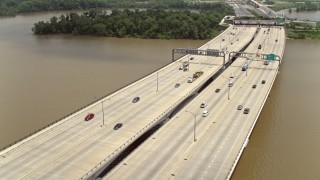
180,50
192,51
271,57
258,57
280,21
251,56
213,52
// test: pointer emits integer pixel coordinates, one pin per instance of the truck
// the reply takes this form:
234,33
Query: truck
194,76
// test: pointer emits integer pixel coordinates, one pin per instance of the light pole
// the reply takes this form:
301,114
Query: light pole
157,81
229,89
247,68
102,114
194,126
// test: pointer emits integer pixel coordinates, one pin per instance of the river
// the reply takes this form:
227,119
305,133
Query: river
46,77
305,15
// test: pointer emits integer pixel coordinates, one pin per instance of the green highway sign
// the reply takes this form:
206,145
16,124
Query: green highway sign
271,57
280,21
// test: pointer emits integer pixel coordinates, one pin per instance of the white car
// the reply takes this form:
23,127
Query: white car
181,67
232,75
205,113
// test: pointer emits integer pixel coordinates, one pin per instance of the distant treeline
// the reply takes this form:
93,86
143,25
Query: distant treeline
12,7
154,24
308,6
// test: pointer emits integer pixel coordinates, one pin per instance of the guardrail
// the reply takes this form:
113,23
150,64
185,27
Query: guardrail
244,144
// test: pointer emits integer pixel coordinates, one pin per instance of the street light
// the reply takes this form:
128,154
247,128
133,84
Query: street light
102,114
229,89
195,124
157,81
220,42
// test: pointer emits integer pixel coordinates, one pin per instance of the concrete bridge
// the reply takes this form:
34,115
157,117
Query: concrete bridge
188,144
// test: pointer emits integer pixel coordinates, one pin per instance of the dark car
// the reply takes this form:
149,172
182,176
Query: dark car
177,85
191,58
89,117
117,126
246,111
259,47
263,81
136,99
254,86
217,90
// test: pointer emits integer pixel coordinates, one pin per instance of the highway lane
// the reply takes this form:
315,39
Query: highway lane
66,139
171,148
207,163
215,165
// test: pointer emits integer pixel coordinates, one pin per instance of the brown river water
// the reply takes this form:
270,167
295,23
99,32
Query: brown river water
43,78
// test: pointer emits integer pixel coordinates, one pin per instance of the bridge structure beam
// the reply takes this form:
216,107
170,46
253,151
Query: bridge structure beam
195,51
247,55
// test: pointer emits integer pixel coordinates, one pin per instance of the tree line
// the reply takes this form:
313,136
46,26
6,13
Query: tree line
154,24
12,7
308,6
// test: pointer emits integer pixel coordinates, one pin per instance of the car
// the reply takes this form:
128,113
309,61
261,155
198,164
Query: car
203,105
254,86
240,107
244,67
177,85
232,75
89,117
185,69
190,79
136,99
276,40
222,39
230,84
191,58
117,126
205,113
181,67
263,81
246,111
217,90
259,47
266,62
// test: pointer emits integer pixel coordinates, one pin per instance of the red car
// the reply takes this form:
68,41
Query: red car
89,117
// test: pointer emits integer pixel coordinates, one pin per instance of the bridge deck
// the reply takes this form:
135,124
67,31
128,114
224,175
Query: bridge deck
221,136
73,147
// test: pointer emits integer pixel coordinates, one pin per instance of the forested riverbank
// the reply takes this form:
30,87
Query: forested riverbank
154,24
299,32
13,7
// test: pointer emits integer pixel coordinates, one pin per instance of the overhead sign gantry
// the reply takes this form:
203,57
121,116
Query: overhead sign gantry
195,51
254,56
